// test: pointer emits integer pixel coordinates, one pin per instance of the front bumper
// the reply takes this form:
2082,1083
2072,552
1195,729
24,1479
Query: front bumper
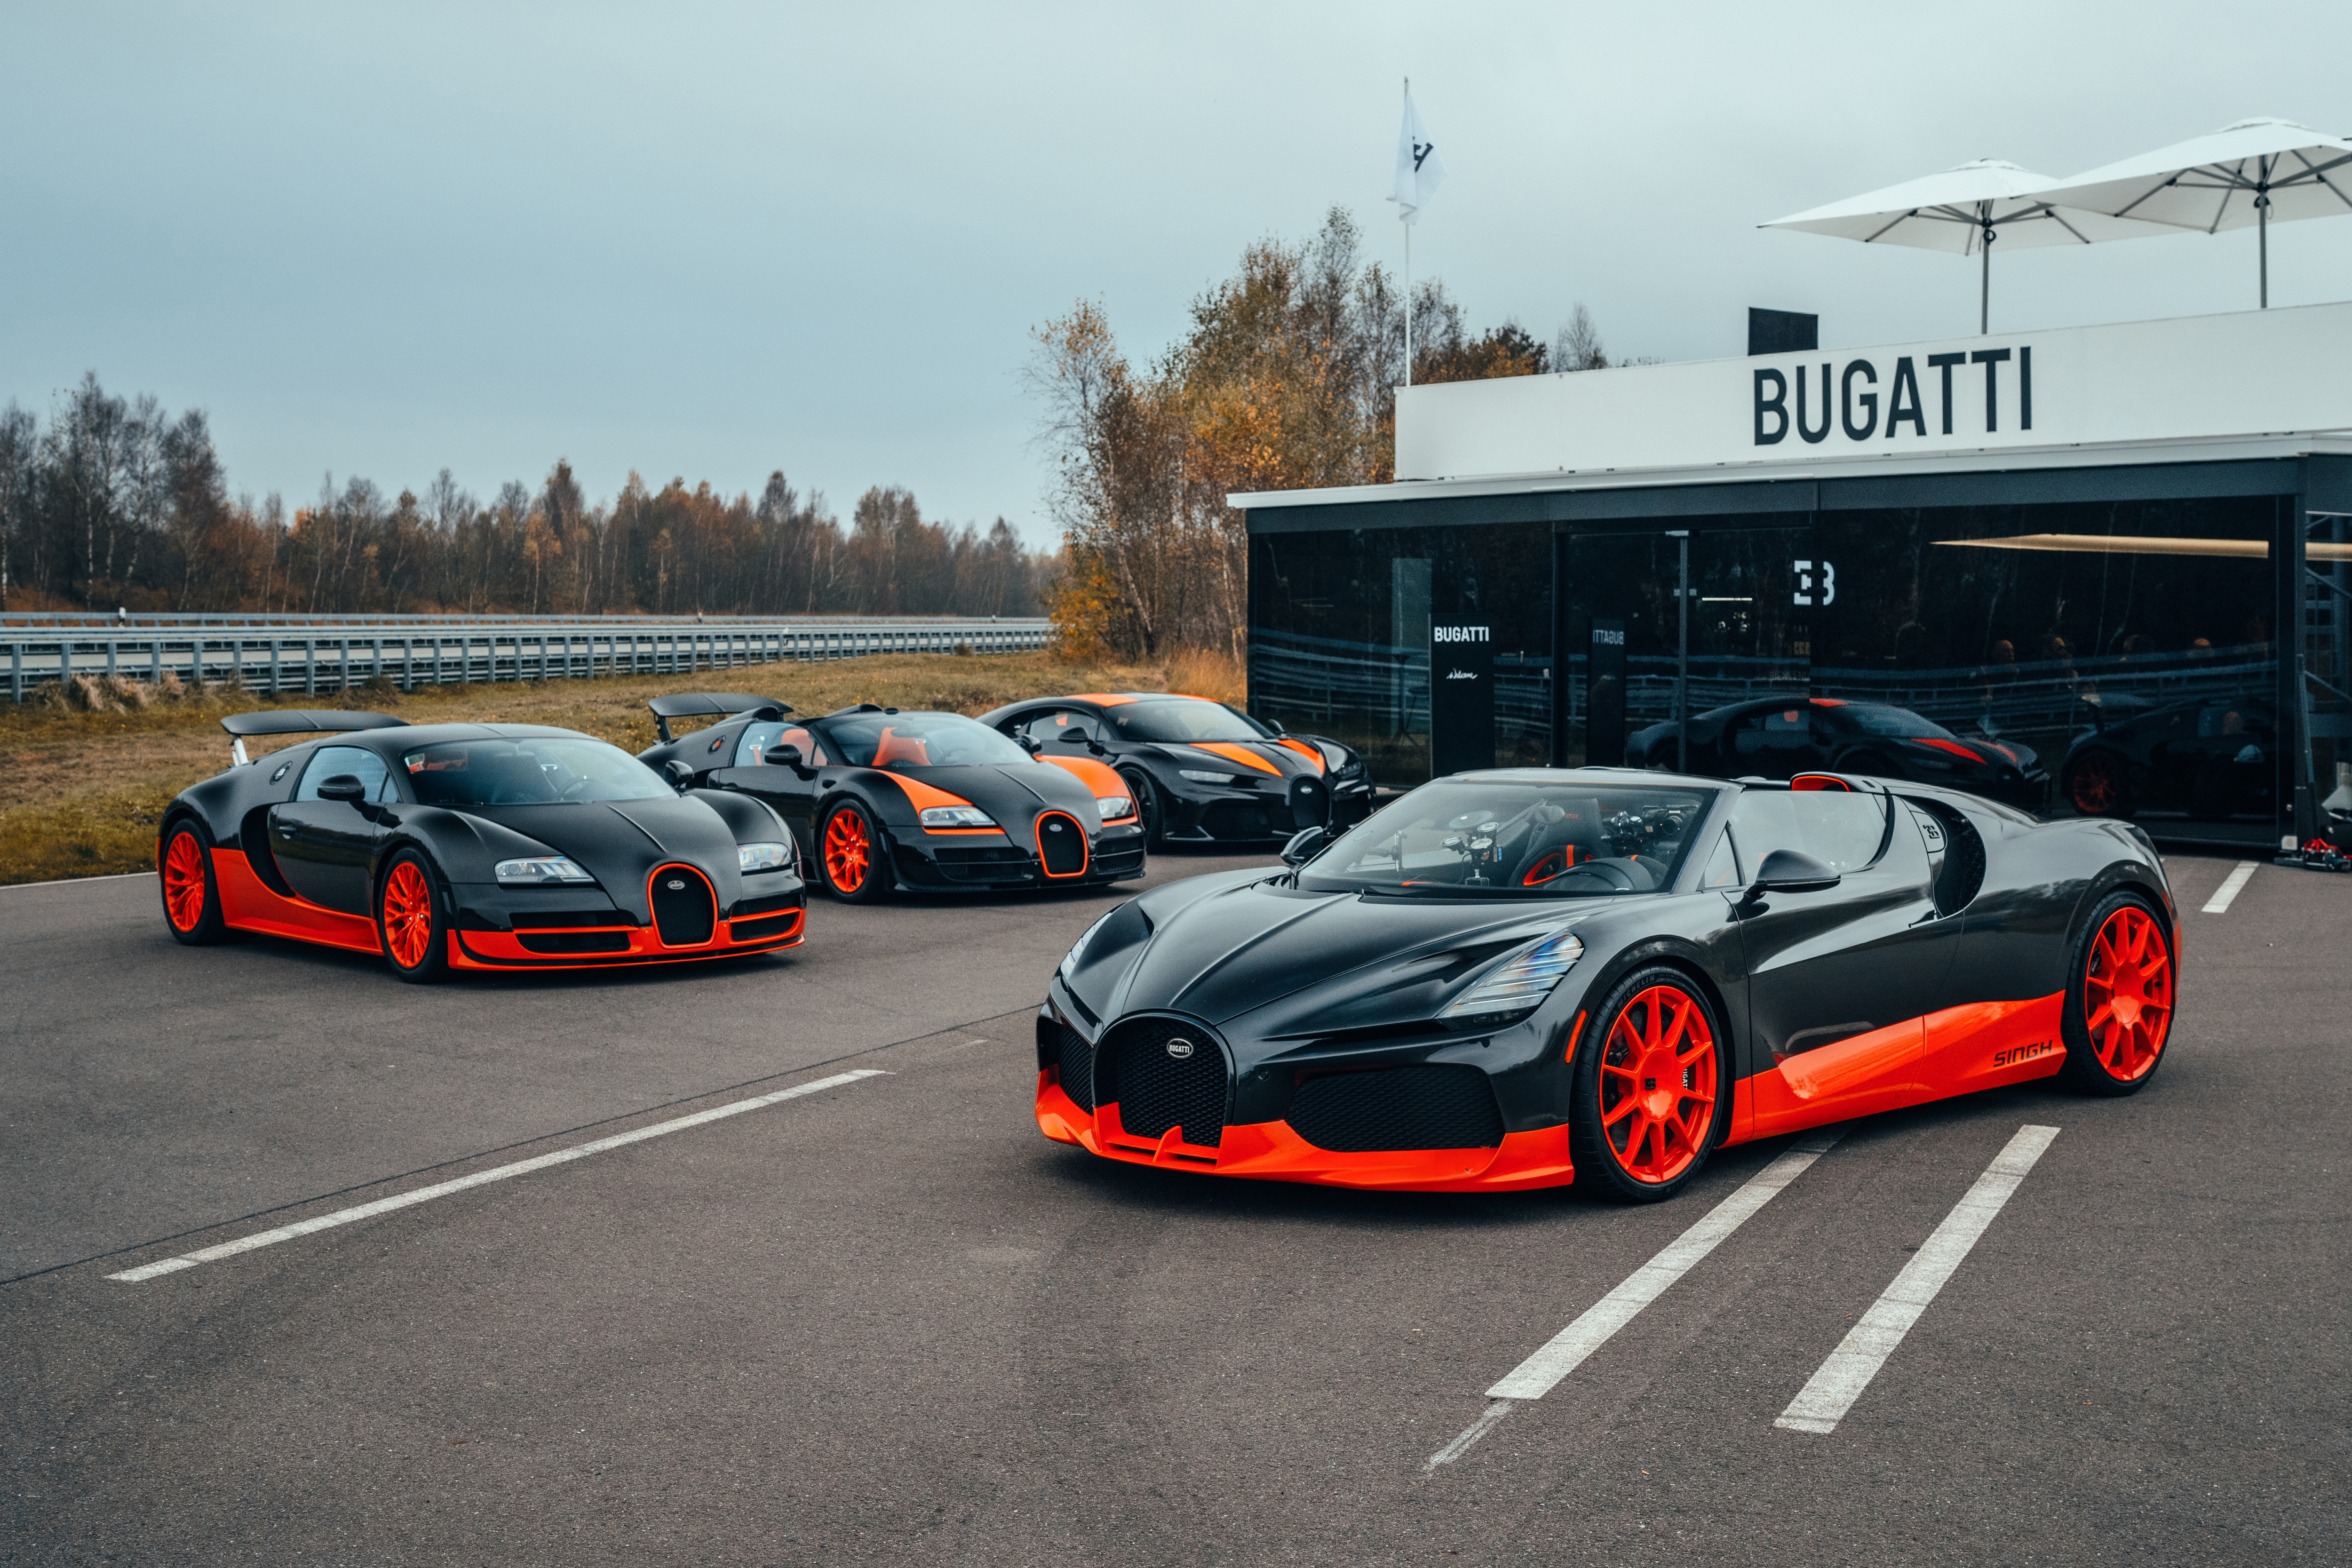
987,859
1208,814
500,928
1274,1114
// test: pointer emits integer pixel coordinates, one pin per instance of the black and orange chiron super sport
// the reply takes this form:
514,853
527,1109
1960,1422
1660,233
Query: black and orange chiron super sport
881,798
1528,977
443,846
1199,771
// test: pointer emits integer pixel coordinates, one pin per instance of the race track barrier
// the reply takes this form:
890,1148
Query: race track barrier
275,654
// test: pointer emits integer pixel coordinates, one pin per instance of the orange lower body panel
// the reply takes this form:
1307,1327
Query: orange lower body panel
503,950
1270,1151
1982,1044
248,903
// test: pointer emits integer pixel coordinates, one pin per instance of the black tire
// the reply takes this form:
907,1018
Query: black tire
2105,1053
1601,1166
191,899
412,919
855,825
1147,805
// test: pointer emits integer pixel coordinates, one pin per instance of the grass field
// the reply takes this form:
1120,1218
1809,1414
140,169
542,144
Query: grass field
82,793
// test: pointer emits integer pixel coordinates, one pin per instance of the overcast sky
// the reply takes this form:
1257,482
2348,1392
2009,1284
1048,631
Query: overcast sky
712,241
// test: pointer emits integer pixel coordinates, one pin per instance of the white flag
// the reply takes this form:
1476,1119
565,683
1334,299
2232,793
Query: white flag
1419,169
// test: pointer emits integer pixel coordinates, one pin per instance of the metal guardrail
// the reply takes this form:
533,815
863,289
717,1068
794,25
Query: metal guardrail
414,650
82,619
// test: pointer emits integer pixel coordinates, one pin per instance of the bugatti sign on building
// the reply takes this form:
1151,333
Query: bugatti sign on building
2256,374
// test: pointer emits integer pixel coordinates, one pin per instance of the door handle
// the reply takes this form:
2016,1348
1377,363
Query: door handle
284,830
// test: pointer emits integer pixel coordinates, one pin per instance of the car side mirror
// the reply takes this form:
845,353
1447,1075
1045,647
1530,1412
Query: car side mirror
1304,846
677,773
345,787
1274,725
782,757
1075,738
1789,871
1030,744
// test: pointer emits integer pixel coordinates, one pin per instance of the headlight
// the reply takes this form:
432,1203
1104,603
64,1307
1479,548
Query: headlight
543,870
1335,757
1070,961
1522,980
1114,807
956,817
1197,776
762,856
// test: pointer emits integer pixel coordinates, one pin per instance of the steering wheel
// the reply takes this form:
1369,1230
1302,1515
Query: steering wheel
578,788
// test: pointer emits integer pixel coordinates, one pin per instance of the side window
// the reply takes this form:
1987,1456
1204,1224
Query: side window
756,739
812,750
1723,866
1058,726
328,761
1842,828
1782,733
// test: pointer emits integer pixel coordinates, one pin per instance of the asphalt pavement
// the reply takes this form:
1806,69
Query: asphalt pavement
884,1321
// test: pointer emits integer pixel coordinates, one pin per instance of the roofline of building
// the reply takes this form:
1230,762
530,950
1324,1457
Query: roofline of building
1972,460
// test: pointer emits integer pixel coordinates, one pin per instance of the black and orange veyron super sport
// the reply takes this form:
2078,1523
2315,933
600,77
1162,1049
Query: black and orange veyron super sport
473,847
1200,772
1528,977
881,799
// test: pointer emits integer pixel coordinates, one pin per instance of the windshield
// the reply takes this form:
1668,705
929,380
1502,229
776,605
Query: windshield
1184,719
1564,839
1899,723
909,741
545,770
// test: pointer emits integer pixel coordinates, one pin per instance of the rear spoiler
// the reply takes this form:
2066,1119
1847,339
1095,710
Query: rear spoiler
723,704
298,722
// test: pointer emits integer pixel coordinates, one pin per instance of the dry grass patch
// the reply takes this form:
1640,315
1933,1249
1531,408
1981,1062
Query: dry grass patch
85,775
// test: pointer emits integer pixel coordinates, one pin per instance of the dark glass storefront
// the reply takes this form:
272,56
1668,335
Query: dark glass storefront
2120,623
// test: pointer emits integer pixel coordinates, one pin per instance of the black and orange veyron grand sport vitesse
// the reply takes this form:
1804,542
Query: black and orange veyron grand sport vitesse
1528,977
881,798
473,847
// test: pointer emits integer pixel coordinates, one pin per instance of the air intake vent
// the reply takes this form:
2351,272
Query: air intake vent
1061,845
1164,1073
685,910
1428,1106
1075,1060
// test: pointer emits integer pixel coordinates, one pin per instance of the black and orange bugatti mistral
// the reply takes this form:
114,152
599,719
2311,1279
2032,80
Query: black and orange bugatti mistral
484,847
1530,977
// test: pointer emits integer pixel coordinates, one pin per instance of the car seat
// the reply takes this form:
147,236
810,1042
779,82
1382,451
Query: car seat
893,747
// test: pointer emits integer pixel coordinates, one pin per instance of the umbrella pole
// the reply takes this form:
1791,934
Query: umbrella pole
1984,296
2262,229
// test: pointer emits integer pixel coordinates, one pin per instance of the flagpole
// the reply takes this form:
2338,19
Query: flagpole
1408,269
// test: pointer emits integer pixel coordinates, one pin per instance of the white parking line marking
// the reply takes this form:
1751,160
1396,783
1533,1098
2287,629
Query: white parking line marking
1475,1430
479,1178
1824,1401
1534,1377
2231,886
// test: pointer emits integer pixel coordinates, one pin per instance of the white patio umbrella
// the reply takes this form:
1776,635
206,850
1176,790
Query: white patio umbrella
2256,171
1964,210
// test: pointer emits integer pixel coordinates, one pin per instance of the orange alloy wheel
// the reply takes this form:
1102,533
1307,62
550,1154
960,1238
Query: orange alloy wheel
1657,1084
2097,785
849,855
408,915
2128,994
184,880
